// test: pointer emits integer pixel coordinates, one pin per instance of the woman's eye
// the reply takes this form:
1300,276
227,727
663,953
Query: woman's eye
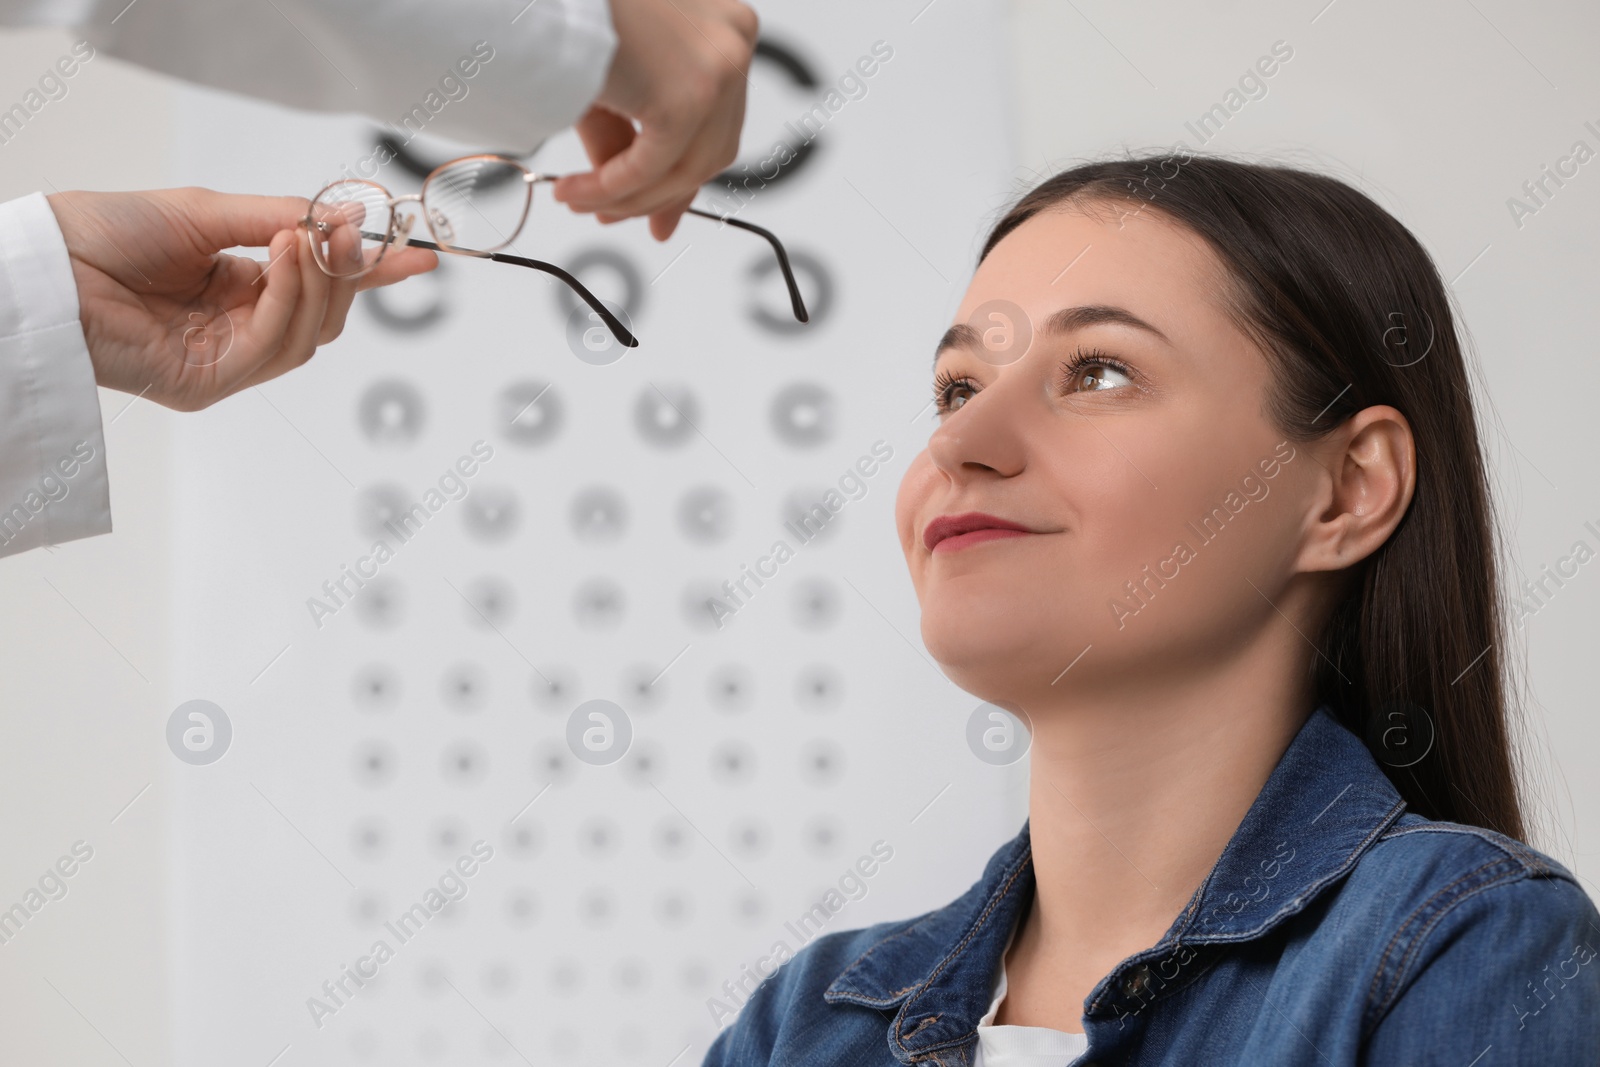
1091,377
1086,371
950,393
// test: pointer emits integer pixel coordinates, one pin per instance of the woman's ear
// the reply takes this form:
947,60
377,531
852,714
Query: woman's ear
1370,473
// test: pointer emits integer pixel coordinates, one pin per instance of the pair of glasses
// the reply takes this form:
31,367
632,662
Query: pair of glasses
472,206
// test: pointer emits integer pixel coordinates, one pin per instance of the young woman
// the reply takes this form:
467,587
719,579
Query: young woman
1206,507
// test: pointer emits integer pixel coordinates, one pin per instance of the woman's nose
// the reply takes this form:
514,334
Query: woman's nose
985,432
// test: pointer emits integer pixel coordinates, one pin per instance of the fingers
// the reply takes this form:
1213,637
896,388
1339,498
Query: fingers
604,133
648,156
744,19
711,147
297,339
275,308
283,327
341,294
302,308
283,310
398,266
300,342
683,75
226,220
680,186
263,311
665,221
393,267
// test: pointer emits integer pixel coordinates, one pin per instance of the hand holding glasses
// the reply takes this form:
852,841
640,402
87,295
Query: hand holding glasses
353,223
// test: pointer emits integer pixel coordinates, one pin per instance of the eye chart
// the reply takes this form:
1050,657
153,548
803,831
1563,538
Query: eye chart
539,747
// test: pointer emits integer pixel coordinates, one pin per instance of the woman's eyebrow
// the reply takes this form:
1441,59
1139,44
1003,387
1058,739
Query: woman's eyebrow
1066,320
1075,318
958,336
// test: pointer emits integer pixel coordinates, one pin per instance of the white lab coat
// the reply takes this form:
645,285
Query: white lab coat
550,59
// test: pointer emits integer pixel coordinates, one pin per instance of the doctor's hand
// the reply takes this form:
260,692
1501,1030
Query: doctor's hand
681,69
169,317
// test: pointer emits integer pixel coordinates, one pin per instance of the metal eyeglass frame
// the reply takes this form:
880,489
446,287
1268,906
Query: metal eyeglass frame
398,235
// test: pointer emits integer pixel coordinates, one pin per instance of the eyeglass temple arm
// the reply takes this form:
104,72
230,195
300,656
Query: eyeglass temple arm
618,330
798,304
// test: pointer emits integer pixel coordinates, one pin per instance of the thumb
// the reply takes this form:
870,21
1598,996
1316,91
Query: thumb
397,266
228,220
650,155
604,134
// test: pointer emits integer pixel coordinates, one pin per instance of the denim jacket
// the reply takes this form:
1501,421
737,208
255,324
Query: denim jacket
1335,928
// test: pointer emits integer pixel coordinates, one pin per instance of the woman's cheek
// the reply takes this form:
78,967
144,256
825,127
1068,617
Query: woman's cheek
910,501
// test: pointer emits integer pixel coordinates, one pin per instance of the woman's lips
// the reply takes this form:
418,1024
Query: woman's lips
949,532
975,537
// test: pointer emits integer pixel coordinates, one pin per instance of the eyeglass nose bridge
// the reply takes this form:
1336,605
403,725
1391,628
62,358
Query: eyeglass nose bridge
403,222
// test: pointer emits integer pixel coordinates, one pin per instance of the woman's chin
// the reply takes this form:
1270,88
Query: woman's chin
986,661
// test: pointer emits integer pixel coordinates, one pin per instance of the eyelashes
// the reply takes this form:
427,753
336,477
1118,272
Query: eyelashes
1075,364
1070,370
943,382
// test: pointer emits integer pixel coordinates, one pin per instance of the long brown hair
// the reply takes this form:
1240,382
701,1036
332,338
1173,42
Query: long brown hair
1352,312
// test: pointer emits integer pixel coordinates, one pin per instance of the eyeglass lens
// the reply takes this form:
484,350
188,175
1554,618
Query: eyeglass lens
350,223
476,204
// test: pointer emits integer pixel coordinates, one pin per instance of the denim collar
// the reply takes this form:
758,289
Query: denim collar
1324,805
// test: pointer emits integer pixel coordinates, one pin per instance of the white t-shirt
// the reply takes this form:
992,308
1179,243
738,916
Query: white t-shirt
1022,1046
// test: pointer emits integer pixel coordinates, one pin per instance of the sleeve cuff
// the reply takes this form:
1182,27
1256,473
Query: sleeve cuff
54,485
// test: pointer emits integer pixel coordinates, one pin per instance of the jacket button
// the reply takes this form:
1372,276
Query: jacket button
1138,978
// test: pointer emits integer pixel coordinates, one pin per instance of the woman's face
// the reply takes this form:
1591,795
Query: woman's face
1122,469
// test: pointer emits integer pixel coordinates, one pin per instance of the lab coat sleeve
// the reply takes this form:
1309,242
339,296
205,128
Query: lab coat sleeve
53,484
495,74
